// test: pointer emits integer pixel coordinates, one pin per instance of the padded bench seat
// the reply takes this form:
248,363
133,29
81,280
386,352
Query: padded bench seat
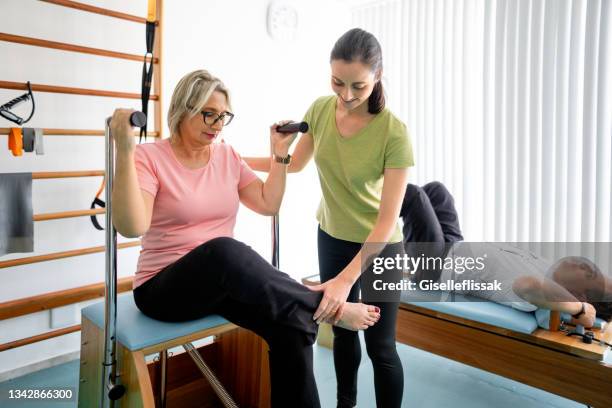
472,308
495,314
136,331
139,336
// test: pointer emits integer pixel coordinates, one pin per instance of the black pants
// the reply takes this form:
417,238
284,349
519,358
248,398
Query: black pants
224,276
429,214
431,223
334,255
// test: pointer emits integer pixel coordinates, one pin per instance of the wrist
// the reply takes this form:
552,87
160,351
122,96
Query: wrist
280,152
286,159
125,153
125,148
580,311
346,280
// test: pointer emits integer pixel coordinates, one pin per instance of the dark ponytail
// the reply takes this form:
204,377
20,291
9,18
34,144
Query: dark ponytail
360,45
376,101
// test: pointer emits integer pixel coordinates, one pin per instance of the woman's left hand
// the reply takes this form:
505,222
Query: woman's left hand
281,142
335,292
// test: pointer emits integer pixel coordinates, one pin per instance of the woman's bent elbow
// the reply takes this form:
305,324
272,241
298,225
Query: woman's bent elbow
131,234
130,231
270,209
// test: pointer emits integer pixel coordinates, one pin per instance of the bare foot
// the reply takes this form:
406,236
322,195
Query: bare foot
358,316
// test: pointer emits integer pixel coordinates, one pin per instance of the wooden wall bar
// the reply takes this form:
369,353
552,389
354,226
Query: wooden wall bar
48,301
51,300
67,214
66,174
78,132
39,337
61,255
71,47
97,10
71,91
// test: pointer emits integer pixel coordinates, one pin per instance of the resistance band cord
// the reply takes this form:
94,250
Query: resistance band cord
147,68
147,79
98,201
5,110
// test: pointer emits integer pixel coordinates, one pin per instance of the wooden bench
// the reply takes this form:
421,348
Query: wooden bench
239,359
543,359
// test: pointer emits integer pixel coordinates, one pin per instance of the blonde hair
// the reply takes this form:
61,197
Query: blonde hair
190,95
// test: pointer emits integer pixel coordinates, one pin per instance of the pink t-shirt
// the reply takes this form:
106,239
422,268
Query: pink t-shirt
191,206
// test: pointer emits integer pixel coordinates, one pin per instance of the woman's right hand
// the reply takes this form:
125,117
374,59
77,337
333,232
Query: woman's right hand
281,142
121,130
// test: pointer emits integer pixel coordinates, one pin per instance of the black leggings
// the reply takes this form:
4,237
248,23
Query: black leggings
226,277
334,255
431,224
429,214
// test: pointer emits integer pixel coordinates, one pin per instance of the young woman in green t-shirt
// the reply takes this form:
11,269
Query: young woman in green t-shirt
362,152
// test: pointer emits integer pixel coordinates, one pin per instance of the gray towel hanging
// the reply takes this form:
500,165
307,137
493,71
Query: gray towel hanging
16,224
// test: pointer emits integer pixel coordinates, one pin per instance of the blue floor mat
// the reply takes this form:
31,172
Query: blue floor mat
430,381
62,376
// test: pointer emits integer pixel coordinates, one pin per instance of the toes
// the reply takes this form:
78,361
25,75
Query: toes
374,309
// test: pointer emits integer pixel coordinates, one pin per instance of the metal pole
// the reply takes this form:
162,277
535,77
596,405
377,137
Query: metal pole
163,367
275,240
275,230
111,391
110,301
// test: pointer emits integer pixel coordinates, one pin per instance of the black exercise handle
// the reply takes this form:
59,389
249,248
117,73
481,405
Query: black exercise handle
293,127
138,119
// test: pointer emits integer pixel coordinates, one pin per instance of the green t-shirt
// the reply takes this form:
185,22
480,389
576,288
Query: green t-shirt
351,169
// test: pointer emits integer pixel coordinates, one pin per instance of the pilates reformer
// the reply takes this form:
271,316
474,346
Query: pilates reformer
508,342
113,369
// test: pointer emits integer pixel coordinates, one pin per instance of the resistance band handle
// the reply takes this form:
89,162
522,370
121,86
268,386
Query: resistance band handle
138,119
293,127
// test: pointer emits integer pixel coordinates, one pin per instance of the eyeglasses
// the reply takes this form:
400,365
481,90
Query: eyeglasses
210,118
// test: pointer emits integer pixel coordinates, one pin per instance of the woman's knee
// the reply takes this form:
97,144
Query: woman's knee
413,190
224,250
413,195
437,190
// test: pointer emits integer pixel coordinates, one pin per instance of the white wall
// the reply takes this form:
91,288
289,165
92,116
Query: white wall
269,81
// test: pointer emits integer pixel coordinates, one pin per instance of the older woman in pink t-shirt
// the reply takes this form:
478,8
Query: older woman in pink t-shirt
182,195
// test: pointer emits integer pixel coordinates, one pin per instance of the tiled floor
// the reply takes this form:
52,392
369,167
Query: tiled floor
430,381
